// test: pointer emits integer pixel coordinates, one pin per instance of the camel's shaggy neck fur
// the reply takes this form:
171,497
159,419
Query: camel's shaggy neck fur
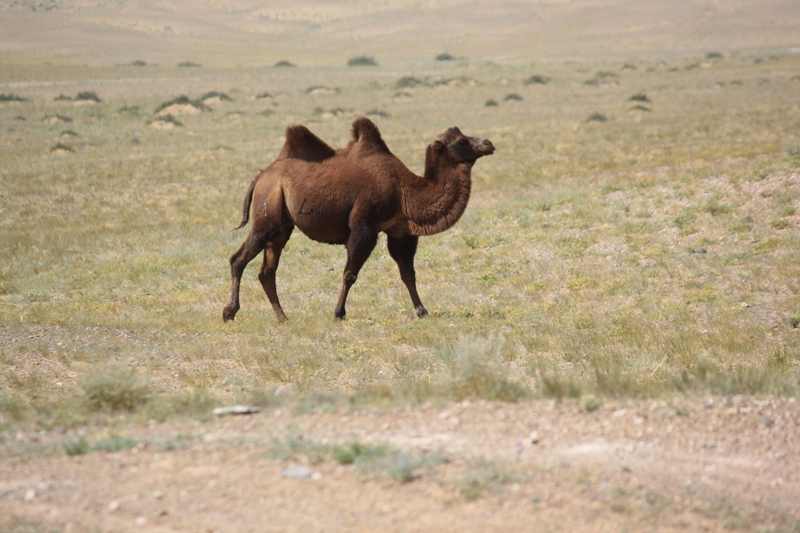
436,201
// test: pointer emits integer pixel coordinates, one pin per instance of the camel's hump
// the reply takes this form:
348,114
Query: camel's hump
302,144
368,137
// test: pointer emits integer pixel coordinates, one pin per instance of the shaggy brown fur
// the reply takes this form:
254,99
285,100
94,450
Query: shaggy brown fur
347,197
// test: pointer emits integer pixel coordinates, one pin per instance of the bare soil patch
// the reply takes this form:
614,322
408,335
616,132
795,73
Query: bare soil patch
713,464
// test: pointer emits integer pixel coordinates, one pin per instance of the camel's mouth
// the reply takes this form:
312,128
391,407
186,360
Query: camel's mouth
484,147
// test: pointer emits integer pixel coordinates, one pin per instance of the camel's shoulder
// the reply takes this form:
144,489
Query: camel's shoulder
367,138
302,144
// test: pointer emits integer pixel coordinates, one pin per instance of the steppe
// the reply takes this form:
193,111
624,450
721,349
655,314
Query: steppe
614,331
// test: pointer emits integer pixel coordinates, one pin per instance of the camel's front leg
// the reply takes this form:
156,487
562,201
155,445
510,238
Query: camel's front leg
402,249
360,244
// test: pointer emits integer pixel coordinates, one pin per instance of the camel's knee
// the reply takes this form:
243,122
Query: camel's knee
350,279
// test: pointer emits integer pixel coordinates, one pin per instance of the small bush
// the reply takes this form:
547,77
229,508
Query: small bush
12,98
795,321
640,107
261,96
513,97
137,63
285,64
115,389
445,57
378,113
88,96
490,103
215,94
76,446
639,97
597,117
115,443
61,147
182,100
362,61
536,79
714,55
478,371
408,81
484,475
62,98
167,119
189,64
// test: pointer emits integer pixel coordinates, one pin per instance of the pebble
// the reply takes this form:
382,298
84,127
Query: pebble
298,472
235,410
30,495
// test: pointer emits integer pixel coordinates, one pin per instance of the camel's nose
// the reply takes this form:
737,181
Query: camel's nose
486,147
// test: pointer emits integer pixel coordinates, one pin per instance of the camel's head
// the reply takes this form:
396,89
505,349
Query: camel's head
462,149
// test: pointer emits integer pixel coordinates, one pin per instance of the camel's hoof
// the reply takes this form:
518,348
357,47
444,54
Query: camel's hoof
422,312
228,314
339,316
281,317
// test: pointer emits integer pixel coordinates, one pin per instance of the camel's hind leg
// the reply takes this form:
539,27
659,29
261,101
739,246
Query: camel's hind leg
402,249
360,244
253,245
272,255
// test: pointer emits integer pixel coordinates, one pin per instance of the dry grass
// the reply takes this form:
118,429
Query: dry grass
580,248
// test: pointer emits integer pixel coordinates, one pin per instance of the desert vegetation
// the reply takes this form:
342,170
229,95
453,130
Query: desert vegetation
595,289
628,261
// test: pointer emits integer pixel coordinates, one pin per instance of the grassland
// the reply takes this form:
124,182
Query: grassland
653,253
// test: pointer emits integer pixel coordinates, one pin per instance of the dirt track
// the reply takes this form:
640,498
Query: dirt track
696,465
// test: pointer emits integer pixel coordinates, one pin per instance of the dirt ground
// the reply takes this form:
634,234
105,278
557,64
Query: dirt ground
695,465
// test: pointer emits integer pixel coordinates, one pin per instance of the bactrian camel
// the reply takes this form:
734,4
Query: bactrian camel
347,197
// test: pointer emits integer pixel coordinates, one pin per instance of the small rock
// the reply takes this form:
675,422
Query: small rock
30,495
141,520
534,437
235,410
708,403
748,219
699,251
113,505
298,472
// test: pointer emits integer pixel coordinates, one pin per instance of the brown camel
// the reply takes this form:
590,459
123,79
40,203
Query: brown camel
347,197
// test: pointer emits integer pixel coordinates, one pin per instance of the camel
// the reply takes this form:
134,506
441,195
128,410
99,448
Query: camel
347,197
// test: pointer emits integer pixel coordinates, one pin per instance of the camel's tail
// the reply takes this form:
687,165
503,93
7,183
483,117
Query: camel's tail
248,199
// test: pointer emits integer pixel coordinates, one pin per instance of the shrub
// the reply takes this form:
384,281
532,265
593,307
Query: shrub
445,57
285,64
490,103
88,96
408,81
639,97
61,147
189,64
714,55
12,98
182,100
536,79
378,113
513,97
362,61
115,389
597,117
76,446
478,371
215,94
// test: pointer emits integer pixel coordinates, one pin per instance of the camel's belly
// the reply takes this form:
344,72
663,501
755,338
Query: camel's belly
320,221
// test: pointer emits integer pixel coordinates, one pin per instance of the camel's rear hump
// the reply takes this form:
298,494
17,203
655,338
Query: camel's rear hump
302,144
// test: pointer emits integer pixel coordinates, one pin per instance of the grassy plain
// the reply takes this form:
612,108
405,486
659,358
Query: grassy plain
635,235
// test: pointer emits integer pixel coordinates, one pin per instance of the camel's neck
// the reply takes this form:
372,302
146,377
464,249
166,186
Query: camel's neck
434,202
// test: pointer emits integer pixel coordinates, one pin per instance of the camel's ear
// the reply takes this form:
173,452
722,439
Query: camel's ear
437,146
